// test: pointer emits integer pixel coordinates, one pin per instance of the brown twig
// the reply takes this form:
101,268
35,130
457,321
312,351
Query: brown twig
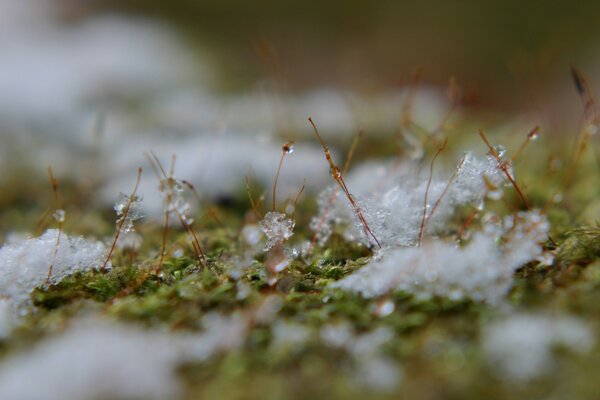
167,184
59,220
589,123
333,196
531,136
286,149
439,200
422,226
337,176
252,203
504,168
298,197
122,220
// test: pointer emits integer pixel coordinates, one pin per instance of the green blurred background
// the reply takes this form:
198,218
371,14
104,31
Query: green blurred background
504,53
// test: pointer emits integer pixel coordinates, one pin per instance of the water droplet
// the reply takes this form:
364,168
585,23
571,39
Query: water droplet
384,308
59,215
288,148
534,135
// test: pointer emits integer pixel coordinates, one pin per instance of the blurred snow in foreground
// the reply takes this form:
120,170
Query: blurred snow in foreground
520,346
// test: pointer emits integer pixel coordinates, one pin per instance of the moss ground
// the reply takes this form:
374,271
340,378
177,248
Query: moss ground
436,340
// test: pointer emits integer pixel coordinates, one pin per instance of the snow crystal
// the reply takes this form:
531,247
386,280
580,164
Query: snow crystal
482,270
391,198
520,346
278,228
59,215
134,212
24,264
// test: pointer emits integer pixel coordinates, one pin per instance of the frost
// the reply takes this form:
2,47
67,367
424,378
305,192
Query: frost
520,347
59,215
133,213
482,270
175,200
24,263
96,359
391,198
278,228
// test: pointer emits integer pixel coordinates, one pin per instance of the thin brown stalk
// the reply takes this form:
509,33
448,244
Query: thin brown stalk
168,182
590,122
122,220
59,222
333,196
252,203
209,209
337,176
439,200
531,136
504,168
43,221
435,156
454,98
285,150
298,197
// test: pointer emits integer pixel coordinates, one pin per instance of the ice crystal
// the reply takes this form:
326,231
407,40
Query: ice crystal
520,347
391,199
482,270
278,228
24,263
127,216
59,215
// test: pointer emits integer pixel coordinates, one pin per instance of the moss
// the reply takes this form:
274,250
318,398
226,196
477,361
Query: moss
581,245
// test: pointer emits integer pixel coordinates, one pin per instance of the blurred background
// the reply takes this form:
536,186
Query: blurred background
88,85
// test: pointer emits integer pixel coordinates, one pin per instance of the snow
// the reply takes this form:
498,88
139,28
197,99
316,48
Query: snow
24,263
371,369
278,228
520,347
482,270
98,359
391,196
215,165
128,212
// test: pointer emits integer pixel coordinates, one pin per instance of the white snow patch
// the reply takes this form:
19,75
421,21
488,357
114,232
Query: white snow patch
482,270
372,369
391,197
520,347
96,359
24,263
216,165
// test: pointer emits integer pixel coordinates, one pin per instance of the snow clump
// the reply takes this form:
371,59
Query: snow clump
482,270
97,359
521,346
25,263
391,199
